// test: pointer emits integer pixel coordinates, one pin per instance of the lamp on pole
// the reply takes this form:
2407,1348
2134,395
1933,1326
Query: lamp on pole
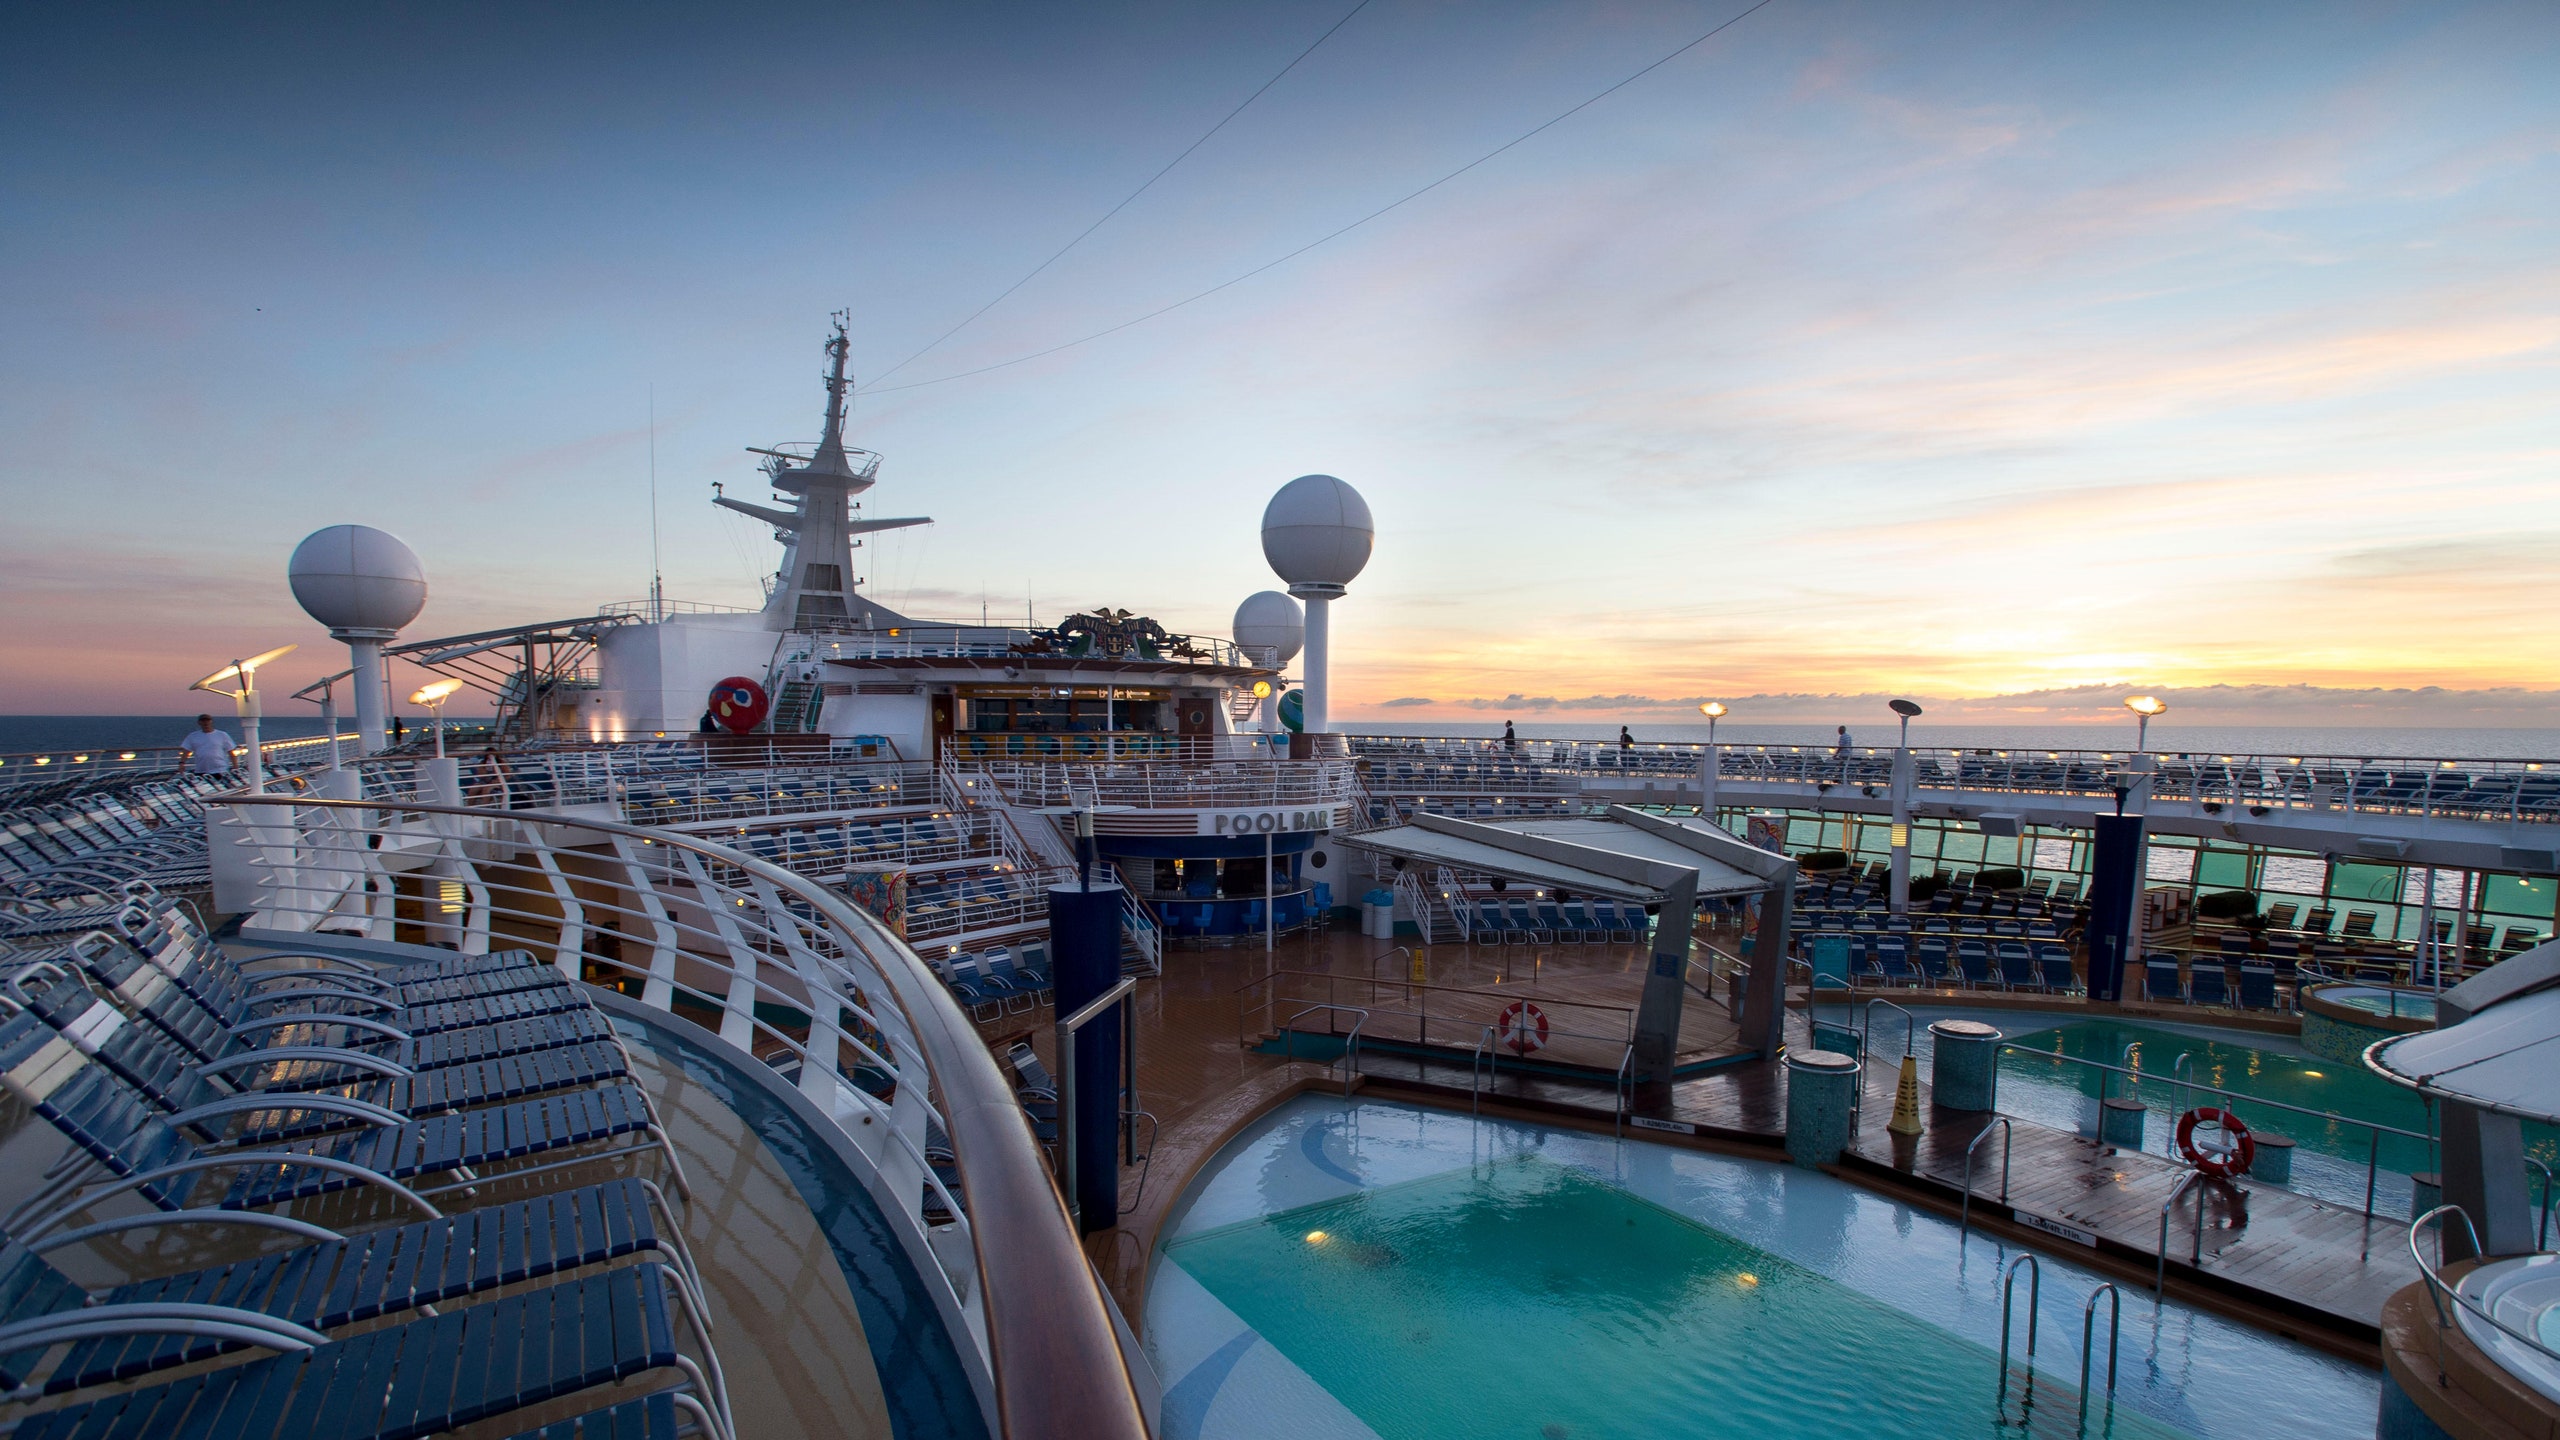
1901,835
433,694
2144,707
239,680
1711,765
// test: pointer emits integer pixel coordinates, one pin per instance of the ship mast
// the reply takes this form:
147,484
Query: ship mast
816,585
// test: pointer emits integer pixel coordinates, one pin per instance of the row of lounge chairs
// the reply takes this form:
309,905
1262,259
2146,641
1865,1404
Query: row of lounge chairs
1968,962
2205,982
517,1257
665,799
998,982
832,849
1494,920
68,866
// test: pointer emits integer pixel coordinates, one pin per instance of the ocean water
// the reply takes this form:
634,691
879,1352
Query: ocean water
2366,742
24,734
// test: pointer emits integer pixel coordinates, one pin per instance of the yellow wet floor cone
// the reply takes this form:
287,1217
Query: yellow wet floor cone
1906,1100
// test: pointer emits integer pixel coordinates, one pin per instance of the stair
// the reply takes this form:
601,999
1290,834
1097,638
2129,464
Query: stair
795,710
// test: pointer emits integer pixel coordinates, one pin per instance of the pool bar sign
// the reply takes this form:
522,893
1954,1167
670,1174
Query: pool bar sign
1265,822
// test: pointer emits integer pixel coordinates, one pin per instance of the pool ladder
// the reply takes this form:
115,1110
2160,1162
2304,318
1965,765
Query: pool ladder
2088,1329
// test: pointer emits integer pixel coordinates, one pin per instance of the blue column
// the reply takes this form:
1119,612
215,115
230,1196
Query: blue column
2115,891
1084,946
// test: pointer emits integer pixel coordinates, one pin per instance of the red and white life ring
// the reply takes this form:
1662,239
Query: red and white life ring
1522,1026
2226,1155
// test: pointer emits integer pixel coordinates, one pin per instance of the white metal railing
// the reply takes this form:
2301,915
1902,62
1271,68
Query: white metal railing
997,641
784,971
2512,791
1175,786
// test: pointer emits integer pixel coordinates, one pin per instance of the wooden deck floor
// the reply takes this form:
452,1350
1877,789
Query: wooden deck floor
2278,1257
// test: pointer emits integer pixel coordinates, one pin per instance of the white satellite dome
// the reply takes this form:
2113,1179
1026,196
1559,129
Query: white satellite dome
357,578
1269,620
1317,531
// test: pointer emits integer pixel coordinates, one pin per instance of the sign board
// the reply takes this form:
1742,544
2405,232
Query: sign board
1668,1127
1266,822
2072,1233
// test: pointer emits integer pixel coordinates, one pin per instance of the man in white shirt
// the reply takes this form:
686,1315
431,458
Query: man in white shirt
208,750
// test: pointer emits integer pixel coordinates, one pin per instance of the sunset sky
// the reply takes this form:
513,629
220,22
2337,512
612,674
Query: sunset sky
2008,356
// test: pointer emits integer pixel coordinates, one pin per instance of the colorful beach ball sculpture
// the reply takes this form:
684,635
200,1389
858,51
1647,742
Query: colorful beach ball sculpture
1293,710
739,705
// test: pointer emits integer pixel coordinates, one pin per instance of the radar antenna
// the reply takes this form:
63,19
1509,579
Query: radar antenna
837,388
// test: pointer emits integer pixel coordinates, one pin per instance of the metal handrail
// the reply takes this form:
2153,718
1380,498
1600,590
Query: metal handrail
1012,1229
2438,1291
2035,1291
1623,1090
2088,1329
1351,1043
2542,1234
2160,1277
1485,1049
2008,1142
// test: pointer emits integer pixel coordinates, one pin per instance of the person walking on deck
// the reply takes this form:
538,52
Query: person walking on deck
1510,740
1626,739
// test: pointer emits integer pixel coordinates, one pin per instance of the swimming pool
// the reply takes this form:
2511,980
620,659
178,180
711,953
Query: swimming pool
2330,1155
1350,1269
2395,1001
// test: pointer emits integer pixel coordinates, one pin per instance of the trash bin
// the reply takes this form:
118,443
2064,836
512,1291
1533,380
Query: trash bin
1378,914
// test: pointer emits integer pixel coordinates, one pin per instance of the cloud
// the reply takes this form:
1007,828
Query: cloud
1402,701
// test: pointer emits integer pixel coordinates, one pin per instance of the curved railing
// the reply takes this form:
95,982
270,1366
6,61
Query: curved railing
2440,1290
781,969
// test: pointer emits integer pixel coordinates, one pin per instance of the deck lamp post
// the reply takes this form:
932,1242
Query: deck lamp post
433,694
2143,708
1711,764
239,680
1901,836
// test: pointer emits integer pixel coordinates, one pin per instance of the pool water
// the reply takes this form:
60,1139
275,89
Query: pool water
1346,1270
2329,1154
1524,1298
2381,1000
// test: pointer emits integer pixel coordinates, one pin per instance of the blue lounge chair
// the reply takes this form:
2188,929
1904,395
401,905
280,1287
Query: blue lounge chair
1893,960
1932,951
2257,987
160,1158
2053,964
2017,966
146,1058
1973,957
975,991
346,1280
2208,983
528,1348
2160,980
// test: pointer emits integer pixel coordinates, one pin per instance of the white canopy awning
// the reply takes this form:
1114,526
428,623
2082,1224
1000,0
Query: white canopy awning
1586,855
2504,1059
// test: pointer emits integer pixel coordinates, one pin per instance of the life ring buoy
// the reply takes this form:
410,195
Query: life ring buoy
1522,1026
2223,1158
